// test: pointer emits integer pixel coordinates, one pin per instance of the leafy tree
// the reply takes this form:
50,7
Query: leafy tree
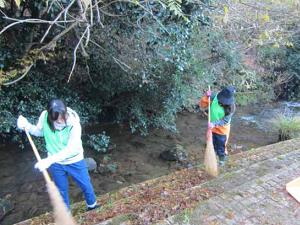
126,59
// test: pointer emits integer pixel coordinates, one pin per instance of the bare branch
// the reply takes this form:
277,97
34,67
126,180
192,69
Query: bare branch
56,19
42,21
92,15
141,6
3,13
80,6
110,14
98,15
118,61
87,37
67,9
52,3
33,21
10,25
75,52
263,8
99,46
82,47
21,77
84,53
89,75
53,41
122,64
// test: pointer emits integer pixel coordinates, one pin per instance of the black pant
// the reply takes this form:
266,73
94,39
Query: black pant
219,142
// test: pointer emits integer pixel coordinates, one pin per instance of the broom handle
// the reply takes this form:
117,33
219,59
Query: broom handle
37,155
208,105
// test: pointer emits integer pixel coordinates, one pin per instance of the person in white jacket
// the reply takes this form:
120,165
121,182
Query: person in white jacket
61,129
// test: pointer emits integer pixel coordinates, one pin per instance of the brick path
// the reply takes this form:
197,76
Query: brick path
250,190
252,195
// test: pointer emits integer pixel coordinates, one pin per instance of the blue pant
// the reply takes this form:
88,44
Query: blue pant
219,142
78,171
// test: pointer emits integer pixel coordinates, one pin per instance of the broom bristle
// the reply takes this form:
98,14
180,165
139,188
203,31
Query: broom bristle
61,214
210,160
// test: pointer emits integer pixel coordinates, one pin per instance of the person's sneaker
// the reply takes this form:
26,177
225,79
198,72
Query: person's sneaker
222,160
92,208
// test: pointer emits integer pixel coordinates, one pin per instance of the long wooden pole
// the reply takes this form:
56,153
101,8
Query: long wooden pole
208,105
210,160
37,155
62,216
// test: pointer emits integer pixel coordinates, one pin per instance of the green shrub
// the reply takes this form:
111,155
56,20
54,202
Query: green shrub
98,142
283,67
30,96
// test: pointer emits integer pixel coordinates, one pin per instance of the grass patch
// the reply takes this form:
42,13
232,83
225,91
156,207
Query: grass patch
121,219
287,126
259,182
228,175
281,157
183,217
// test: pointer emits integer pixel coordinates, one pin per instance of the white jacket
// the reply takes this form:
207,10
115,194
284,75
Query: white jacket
74,150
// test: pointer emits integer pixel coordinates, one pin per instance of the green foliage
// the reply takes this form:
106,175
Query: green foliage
175,6
287,126
112,167
283,66
137,68
149,85
257,96
2,3
108,164
98,142
271,57
214,58
273,32
141,68
183,217
218,63
30,97
244,99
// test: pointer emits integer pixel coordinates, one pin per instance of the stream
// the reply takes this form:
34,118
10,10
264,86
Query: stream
135,158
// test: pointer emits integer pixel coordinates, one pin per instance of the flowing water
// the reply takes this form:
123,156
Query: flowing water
135,158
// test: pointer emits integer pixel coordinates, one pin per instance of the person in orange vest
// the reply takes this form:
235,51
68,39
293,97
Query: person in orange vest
222,108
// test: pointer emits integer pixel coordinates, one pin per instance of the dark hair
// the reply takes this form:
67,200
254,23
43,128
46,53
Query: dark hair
228,109
55,108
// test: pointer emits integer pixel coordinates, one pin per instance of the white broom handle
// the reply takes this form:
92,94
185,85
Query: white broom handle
208,105
37,155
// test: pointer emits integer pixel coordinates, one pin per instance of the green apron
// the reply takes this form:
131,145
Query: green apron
55,140
216,111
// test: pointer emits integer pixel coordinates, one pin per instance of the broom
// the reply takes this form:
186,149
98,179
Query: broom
61,214
210,160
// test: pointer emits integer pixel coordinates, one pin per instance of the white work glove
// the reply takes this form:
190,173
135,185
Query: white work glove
43,164
22,123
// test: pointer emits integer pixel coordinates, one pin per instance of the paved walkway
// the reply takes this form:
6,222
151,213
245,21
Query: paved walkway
252,195
249,191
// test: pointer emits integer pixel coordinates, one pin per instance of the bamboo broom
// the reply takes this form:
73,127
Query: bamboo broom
61,214
210,160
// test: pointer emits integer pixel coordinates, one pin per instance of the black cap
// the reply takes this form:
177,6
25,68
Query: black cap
226,96
57,105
